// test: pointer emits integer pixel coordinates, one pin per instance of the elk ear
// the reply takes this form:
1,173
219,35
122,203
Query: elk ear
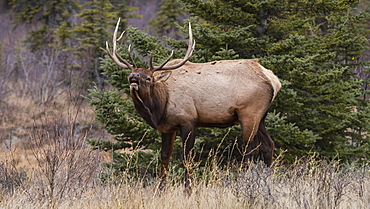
162,77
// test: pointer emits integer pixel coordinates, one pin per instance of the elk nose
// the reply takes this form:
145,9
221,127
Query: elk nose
134,74
133,77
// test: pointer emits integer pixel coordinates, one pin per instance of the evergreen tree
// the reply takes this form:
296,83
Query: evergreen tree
91,34
51,15
313,47
169,15
49,59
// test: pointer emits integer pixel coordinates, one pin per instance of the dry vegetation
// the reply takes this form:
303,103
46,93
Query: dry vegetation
46,163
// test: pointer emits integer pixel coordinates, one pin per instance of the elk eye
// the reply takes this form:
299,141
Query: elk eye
148,79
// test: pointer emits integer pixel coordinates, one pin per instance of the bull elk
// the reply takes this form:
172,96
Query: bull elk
181,95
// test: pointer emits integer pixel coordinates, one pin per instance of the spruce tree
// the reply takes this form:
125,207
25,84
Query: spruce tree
51,15
49,60
312,46
169,15
92,33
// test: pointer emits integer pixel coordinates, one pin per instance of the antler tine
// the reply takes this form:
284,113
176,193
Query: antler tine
151,67
129,54
124,61
114,56
121,36
189,52
162,65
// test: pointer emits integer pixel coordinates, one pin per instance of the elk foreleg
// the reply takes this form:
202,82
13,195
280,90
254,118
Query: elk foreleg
168,140
188,140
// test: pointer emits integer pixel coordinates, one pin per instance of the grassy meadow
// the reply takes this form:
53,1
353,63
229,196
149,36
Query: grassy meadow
46,163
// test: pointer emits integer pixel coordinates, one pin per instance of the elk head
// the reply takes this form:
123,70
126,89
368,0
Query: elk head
141,79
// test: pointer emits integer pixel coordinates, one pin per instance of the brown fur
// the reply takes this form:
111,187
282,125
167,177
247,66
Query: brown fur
152,106
214,94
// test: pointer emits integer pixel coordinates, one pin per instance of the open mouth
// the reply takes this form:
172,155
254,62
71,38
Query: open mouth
134,86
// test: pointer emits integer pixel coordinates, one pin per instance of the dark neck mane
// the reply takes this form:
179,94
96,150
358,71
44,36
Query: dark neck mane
151,106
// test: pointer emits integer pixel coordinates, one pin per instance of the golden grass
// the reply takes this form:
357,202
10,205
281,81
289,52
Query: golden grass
46,163
275,192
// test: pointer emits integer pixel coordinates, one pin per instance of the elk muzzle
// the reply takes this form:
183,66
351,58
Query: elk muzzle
133,78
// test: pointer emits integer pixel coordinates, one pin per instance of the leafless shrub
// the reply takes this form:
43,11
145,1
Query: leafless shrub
312,183
308,183
10,178
253,185
64,166
41,74
4,78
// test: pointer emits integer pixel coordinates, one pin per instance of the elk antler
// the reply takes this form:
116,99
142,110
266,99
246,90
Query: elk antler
191,45
129,54
114,56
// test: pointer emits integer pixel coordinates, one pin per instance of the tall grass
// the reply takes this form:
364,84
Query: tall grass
46,163
297,186
64,174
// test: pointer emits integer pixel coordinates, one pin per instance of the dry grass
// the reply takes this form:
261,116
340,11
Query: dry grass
45,163
256,187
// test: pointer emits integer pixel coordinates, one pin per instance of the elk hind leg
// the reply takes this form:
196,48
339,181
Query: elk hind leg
188,140
266,143
250,126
